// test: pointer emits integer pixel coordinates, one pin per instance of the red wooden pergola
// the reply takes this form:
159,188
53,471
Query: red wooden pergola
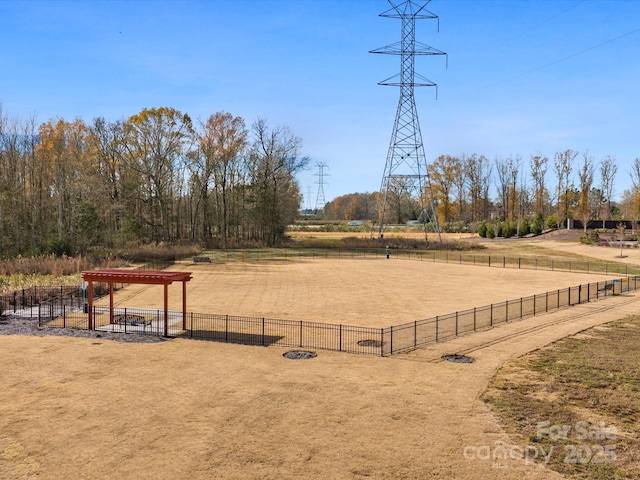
144,277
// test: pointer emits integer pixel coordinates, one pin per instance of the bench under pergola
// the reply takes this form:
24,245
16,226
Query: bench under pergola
112,276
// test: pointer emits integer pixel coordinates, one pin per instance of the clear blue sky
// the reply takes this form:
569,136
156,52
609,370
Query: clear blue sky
523,77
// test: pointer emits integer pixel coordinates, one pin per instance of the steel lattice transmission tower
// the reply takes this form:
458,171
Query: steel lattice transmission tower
320,201
405,173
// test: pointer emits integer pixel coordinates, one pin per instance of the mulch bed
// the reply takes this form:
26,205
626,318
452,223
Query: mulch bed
10,325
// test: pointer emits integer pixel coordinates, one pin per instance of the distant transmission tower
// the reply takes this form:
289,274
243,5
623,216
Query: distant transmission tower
308,206
405,172
320,202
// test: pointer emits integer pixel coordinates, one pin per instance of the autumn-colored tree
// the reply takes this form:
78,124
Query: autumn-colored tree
217,166
443,172
63,151
538,165
156,144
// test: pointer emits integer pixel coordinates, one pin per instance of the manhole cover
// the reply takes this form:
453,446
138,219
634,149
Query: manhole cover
299,355
455,358
370,343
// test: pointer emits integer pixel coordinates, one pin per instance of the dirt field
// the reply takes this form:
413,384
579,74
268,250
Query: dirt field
75,408
369,293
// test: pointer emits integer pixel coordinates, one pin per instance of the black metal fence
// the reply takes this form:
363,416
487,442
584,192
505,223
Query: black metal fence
24,300
342,338
27,301
410,335
435,256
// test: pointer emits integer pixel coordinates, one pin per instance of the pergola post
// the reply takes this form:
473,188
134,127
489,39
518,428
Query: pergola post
110,303
166,310
90,304
184,305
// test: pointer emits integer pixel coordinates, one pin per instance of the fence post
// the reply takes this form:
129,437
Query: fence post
191,324
226,328
521,307
580,293
534,305
300,333
382,342
64,317
456,323
340,343
391,340
506,311
519,261
504,261
489,260
415,333
491,314
436,328
546,306
263,331
474,319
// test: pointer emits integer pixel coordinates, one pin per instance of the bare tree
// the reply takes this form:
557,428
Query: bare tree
507,170
563,164
539,166
608,170
478,172
274,160
586,181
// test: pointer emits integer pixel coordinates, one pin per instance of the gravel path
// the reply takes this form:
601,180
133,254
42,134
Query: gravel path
12,325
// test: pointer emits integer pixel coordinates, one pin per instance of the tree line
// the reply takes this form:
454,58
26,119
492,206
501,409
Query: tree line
468,190
158,176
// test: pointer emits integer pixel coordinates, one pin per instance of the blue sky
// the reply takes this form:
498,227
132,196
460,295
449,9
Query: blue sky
523,77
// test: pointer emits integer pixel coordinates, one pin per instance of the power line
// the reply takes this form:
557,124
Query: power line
580,52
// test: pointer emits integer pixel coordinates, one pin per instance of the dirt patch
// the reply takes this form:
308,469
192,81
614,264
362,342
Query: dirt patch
578,400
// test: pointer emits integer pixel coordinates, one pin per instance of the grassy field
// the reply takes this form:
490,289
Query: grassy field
91,408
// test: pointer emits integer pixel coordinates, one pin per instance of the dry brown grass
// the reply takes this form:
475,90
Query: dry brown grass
373,292
72,408
587,384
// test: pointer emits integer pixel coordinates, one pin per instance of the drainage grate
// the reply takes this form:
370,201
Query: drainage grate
455,358
299,355
370,343
129,318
